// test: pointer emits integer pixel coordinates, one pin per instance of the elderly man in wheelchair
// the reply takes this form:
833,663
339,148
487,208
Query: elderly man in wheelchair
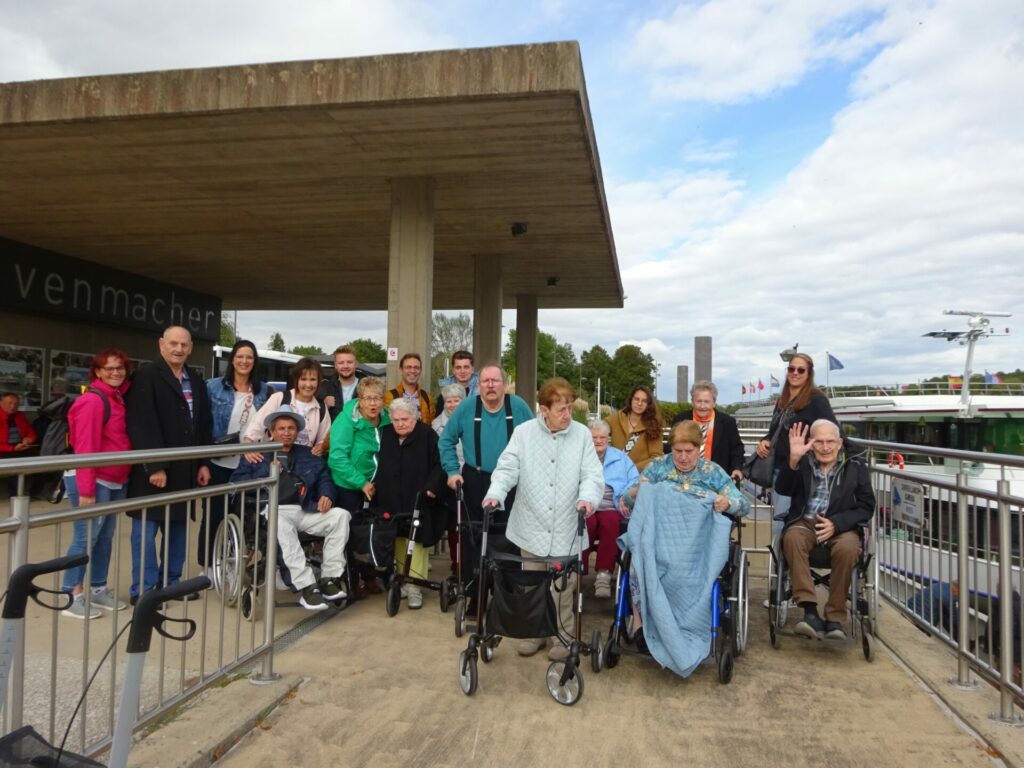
306,504
832,501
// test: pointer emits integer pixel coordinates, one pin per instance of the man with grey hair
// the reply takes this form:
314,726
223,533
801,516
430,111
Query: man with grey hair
720,437
832,498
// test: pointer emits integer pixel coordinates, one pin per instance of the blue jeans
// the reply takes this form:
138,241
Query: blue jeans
144,535
780,510
100,530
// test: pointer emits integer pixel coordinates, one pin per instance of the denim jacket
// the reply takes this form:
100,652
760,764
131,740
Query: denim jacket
222,402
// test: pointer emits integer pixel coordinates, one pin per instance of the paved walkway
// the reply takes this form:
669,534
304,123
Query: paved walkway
384,692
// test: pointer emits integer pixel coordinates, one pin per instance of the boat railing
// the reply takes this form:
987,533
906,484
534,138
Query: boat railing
928,388
53,655
946,550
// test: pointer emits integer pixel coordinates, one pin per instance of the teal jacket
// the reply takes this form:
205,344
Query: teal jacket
354,446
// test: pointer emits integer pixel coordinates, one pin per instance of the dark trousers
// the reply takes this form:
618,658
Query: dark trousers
474,490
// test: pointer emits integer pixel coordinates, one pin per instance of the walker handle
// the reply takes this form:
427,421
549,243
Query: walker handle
21,587
147,614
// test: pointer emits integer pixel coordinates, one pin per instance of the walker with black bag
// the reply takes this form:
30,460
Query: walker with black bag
24,746
518,603
416,521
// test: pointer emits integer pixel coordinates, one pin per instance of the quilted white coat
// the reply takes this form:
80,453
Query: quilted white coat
552,472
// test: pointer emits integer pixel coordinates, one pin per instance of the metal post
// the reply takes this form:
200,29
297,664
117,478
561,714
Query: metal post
963,672
1005,714
267,674
19,556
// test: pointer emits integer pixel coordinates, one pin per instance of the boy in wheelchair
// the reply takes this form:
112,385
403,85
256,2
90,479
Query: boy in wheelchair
832,499
306,504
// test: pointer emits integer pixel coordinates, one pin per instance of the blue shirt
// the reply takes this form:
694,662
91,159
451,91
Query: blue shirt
493,434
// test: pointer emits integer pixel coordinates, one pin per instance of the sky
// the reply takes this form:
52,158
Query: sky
829,172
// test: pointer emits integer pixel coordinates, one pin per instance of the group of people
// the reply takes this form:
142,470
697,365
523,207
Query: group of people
350,443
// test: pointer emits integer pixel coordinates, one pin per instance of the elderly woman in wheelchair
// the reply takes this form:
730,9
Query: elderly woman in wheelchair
678,545
832,504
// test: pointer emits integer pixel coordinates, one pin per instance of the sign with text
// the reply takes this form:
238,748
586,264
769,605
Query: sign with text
49,283
908,503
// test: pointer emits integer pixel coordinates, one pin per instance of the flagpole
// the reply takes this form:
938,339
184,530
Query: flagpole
828,371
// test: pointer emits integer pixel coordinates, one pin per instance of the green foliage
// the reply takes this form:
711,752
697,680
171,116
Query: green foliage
369,351
670,410
276,342
630,366
448,335
553,359
308,351
595,365
228,332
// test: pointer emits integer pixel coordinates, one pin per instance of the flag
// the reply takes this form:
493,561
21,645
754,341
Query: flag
993,378
760,384
833,363
955,382
774,382
743,389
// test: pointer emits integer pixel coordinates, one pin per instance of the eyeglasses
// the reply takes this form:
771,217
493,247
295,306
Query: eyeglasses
372,399
796,369
112,368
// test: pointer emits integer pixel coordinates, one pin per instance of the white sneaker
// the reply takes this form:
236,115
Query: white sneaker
107,600
77,610
405,592
415,599
603,584
531,645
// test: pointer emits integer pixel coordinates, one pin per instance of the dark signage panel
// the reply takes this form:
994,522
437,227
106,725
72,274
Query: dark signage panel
51,283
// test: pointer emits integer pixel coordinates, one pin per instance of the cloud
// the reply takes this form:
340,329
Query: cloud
734,50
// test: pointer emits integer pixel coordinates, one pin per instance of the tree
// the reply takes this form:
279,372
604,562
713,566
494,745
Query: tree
448,335
228,332
276,342
369,351
308,351
596,364
630,366
553,359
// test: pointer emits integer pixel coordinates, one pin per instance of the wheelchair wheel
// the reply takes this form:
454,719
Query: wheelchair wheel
460,616
228,569
596,651
569,693
725,665
867,642
612,654
446,592
394,597
741,614
467,673
247,604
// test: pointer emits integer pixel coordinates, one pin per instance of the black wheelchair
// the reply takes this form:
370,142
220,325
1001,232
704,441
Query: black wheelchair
862,598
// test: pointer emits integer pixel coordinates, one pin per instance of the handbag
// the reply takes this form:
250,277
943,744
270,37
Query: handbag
760,470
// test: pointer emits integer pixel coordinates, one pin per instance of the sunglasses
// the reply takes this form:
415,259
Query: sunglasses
796,369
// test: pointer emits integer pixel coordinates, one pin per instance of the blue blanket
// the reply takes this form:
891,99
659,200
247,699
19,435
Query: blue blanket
679,546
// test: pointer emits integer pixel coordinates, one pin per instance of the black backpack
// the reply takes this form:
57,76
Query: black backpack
55,440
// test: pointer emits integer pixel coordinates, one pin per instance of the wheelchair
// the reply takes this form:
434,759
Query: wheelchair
862,622
730,611
238,569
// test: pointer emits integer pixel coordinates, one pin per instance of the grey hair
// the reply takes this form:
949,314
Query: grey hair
599,425
453,390
704,384
401,404
826,422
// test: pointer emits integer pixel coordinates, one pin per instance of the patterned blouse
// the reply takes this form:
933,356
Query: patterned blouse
705,480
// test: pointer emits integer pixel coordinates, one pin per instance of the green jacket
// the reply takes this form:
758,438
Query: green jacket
354,446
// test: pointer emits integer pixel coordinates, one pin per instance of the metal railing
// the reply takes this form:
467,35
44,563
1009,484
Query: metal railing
44,686
948,550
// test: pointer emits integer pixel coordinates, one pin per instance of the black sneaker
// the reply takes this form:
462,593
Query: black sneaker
311,599
810,626
332,590
834,631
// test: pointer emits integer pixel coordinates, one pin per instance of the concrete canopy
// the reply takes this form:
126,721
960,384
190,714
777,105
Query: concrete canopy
281,172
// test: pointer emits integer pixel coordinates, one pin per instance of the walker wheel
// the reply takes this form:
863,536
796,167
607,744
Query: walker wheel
394,598
596,651
569,693
445,595
460,616
725,668
487,652
774,636
467,672
867,643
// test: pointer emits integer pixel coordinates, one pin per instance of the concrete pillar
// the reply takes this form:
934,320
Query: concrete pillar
411,271
682,384
487,298
526,348
702,358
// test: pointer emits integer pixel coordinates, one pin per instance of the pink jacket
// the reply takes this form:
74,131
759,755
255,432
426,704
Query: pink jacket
88,434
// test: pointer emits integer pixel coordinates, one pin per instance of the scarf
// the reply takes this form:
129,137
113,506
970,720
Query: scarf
707,433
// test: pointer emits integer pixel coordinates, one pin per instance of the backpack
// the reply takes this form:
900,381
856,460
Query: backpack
55,440
396,393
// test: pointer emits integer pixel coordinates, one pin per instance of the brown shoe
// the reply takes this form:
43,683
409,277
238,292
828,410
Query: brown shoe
373,586
361,592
